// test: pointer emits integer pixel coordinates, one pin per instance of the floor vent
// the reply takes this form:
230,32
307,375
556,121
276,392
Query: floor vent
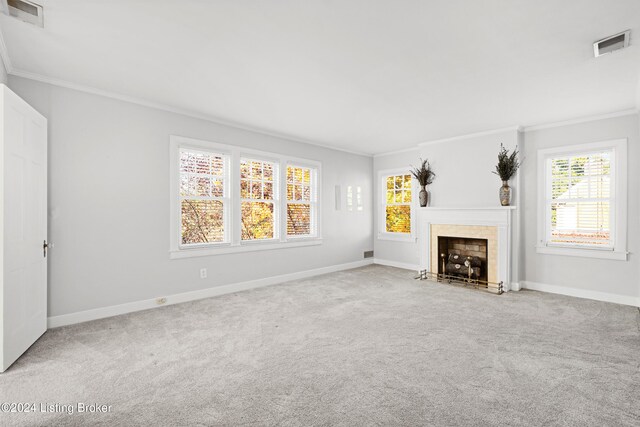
368,254
611,44
26,11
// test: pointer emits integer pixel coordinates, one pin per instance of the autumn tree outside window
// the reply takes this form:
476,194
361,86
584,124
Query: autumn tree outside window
228,199
396,209
398,199
203,198
259,194
300,200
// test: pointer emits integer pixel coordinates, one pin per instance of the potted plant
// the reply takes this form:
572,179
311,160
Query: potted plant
425,176
506,168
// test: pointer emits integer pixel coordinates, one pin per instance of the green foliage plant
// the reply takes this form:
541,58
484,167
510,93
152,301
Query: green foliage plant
508,164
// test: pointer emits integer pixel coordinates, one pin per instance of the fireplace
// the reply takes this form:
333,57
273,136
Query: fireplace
484,233
463,257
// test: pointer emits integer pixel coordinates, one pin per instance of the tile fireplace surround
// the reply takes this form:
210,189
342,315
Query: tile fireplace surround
493,224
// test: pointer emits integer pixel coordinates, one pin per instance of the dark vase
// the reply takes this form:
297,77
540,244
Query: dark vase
423,196
505,194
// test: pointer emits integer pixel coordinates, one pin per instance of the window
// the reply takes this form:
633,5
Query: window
259,193
300,201
579,199
582,201
354,201
226,199
203,197
396,220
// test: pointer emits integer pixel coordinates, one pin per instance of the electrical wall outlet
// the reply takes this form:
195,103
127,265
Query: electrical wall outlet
161,300
203,273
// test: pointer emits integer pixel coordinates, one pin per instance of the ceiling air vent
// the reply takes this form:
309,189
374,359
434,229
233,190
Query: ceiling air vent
610,44
26,11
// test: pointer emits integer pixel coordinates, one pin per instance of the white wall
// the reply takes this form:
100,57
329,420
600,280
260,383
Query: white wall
463,179
464,170
599,275
109,203
393,252
464,165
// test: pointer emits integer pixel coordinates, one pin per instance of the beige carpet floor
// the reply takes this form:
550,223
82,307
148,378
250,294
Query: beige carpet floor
369,346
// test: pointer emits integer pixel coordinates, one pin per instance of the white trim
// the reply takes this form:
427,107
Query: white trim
391,153
499,217
524,129
495,208
188,113
580,120
381,228
233,242
396,264
165,107
398,237
582,252
472,135
582,293
115,310
249,246
619,195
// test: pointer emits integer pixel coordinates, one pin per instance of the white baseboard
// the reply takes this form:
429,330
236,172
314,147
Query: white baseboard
406,266
515,286
582,293
115,310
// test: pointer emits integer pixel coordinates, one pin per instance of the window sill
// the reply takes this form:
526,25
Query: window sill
396,237
585,253
244,247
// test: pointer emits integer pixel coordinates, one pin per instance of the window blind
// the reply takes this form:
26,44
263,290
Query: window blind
301,200
202,197
579,199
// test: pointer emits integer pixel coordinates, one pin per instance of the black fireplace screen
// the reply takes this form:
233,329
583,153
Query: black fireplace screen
464,257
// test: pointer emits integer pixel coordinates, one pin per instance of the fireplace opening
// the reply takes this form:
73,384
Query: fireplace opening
463,257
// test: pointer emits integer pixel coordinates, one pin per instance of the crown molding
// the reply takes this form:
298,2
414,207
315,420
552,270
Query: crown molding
164,107
391,153
524,129
584,119
472,135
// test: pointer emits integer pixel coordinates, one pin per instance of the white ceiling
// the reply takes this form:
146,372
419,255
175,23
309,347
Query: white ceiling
362,75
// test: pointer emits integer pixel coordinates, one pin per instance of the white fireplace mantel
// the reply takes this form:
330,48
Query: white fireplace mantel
501,217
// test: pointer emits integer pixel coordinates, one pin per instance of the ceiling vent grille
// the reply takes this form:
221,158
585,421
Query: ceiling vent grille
611,44
26,11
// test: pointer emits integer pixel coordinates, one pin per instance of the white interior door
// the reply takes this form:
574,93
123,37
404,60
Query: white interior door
23,231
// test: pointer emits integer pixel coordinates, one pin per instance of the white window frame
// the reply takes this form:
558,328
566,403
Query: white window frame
618,195
233,219
277,206
313,200
383,234
225,199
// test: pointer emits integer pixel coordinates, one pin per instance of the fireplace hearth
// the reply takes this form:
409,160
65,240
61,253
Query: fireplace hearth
481,237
